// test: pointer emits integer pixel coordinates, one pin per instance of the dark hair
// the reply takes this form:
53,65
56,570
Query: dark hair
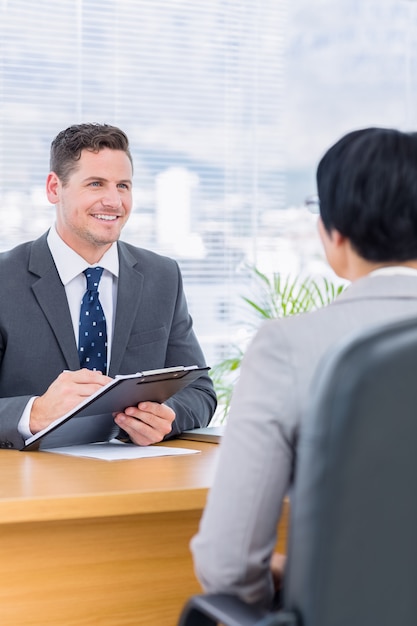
67,146
367,186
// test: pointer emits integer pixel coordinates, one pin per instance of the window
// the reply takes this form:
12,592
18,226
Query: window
228,105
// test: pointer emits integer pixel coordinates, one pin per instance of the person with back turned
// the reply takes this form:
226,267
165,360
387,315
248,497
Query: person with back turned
367,193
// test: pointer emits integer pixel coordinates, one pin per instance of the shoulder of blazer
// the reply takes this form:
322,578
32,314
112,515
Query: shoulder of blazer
142,257
34,256
375,287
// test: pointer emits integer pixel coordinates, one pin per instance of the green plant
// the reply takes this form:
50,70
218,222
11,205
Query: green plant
277,296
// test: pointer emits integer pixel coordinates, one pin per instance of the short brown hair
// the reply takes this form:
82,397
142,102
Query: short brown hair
67,146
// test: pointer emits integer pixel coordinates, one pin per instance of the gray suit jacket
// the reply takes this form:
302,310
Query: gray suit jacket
153,329
238,530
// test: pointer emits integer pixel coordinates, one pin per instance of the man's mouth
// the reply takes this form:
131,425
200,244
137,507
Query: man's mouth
106,218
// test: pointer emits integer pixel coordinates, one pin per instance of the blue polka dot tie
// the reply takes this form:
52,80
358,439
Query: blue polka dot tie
92,344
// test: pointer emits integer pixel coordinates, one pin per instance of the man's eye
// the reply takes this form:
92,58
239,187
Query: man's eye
123,186
95,183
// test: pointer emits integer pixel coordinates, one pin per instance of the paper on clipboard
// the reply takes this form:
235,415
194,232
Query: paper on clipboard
117,451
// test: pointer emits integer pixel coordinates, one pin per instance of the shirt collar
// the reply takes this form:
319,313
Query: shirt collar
394,270
69,264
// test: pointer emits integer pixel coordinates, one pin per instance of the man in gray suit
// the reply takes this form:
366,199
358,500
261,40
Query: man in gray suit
141,293
367,188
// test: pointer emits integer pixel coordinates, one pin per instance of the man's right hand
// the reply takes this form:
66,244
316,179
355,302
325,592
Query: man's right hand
68,390
277,568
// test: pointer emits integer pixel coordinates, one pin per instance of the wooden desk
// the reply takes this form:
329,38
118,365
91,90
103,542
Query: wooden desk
96,542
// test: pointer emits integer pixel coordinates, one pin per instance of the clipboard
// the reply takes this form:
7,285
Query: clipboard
210,434
92,420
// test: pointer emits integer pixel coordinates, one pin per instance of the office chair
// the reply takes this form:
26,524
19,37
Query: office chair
352,554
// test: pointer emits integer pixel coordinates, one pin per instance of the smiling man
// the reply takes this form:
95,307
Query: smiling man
46,368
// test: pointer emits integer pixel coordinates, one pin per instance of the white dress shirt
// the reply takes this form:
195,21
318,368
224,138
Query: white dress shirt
70,267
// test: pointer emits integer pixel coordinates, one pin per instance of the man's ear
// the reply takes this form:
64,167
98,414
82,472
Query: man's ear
53,186
335,248
337,238
334,236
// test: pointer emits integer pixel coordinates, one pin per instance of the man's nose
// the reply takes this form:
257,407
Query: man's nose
111,197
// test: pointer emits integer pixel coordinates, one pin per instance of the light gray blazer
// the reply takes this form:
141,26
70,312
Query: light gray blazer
238,530
153,329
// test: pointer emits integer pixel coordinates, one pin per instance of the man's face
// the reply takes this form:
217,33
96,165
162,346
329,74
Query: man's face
95,203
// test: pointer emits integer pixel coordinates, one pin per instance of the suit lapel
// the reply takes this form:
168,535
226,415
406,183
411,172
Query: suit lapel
128,297
50,295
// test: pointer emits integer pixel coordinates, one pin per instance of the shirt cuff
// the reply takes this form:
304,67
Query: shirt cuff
23,425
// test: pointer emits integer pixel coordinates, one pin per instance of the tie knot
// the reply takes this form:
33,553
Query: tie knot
93,275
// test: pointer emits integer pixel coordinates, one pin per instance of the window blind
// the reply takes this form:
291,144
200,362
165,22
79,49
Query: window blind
197,86
228,105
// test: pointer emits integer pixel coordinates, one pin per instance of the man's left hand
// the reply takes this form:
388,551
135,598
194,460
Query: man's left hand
147,423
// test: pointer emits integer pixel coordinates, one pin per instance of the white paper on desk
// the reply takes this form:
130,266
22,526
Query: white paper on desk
116,451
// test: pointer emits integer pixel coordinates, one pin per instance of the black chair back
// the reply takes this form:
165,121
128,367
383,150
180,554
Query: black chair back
352,557
352,554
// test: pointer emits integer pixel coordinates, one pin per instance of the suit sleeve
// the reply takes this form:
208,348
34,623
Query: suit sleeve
237,534
194,406
11,410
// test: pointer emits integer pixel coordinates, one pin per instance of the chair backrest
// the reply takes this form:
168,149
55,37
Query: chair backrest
352,556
